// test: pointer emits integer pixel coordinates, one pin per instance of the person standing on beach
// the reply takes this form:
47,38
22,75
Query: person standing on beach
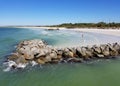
82,36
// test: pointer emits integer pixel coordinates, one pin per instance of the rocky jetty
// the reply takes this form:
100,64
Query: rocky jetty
39,52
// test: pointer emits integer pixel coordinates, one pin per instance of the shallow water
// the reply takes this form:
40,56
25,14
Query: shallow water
103,73
95,73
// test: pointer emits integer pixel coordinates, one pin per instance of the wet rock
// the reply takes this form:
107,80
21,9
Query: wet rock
76,60
40,61
54,62
52,29
13,57
21,60
10,65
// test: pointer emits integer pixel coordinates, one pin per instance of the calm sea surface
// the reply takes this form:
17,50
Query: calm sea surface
94,73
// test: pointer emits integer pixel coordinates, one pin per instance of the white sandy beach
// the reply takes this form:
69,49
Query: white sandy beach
114,32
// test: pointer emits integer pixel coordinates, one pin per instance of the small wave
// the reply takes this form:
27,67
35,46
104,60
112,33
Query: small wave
33,63
7,69
9,65
44,32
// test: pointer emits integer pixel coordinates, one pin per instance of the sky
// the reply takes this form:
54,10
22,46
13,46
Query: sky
52,12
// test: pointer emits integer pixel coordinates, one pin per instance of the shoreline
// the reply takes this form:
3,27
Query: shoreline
113,32
110,31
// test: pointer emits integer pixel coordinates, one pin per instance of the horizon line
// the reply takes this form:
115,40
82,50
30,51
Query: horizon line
56,24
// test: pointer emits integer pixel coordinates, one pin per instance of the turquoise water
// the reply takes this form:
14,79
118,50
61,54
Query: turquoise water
95,73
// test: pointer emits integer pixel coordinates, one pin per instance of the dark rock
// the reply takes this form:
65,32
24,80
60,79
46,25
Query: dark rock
80,52
96,49
52,29
76,60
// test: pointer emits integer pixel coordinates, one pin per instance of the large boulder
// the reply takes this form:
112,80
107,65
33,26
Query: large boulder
116,46
96,49
53,55
84,53
113,49
67,53
73,50
89,52
105,50
32,50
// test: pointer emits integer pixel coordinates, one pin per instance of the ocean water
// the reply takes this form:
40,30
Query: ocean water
94,73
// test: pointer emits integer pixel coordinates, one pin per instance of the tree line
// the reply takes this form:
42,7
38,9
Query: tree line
89,25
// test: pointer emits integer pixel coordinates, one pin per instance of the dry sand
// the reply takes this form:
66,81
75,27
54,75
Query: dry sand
114,32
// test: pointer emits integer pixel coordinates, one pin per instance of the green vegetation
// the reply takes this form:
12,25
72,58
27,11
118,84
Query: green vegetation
89,25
